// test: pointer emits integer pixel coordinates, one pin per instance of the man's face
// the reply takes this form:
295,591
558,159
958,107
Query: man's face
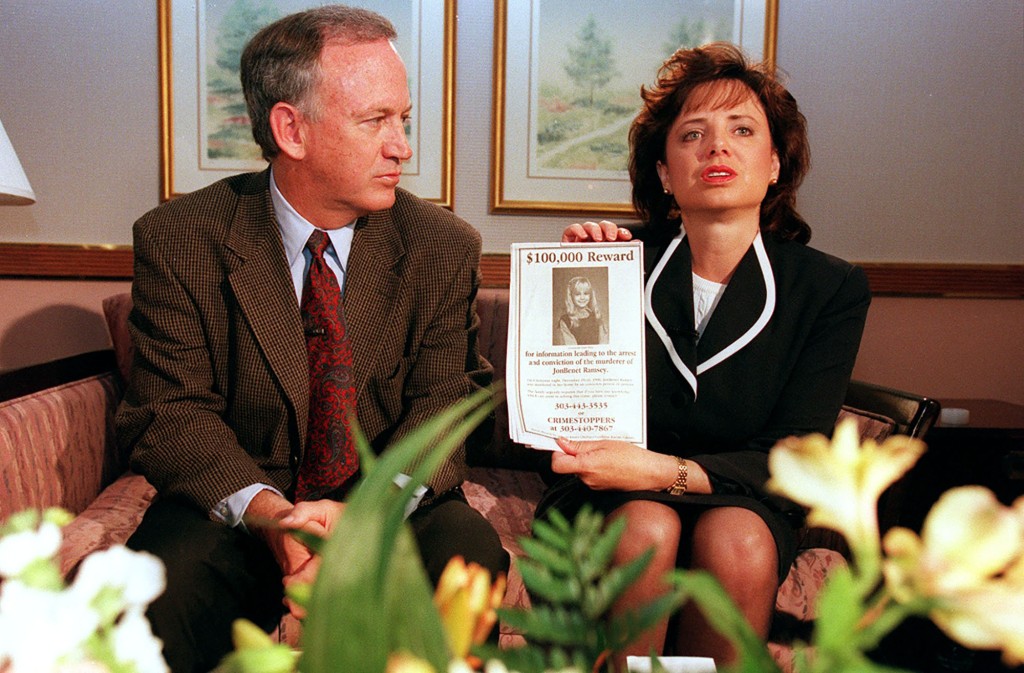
356,141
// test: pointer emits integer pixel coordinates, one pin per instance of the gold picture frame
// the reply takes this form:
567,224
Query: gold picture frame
554,150
202,136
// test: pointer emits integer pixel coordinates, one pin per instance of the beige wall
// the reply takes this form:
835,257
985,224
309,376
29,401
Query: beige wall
45,320
945,348
914,113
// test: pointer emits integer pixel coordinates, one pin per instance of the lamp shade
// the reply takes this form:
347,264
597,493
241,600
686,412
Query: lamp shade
14,187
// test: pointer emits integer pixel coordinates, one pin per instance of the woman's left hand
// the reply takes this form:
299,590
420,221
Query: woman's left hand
614,465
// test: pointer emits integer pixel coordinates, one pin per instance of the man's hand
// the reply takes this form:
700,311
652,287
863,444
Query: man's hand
298,564
585,232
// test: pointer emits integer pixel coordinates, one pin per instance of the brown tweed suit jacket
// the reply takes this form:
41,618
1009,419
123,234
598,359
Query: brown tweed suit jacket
218,397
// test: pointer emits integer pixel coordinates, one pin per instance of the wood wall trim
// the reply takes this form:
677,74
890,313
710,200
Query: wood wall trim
888,279
50,261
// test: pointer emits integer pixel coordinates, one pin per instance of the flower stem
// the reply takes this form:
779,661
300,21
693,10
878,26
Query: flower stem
879,620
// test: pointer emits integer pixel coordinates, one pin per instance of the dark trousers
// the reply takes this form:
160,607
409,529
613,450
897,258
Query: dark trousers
217,574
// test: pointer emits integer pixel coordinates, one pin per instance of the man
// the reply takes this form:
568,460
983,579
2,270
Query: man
218,413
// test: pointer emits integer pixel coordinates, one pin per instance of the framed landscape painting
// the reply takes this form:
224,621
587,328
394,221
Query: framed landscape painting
205,132
567,77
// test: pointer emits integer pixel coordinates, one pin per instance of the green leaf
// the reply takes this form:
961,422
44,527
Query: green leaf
546,585
615,581
550,556
626,628
547,624
599,555
372,596
431,443
42,574
519,659
839,611
568,571
31,519
550,536
314,542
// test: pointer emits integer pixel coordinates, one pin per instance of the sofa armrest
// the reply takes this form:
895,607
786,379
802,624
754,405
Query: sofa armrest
109,520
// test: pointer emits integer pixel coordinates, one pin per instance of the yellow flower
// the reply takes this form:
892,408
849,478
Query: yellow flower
467,602
840,481
966,568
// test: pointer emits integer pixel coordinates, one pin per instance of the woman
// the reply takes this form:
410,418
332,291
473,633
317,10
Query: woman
582,323
751,337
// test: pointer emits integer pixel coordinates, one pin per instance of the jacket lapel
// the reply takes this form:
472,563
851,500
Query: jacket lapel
672,301
744,311
371,288
737,312
266,298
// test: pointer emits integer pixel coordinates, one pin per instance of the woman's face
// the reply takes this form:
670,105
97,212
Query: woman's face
581,295
718,153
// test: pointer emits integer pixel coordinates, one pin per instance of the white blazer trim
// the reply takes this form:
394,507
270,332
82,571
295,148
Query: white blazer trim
730,350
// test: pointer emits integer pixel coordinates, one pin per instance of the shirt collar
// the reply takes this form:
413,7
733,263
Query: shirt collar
295,229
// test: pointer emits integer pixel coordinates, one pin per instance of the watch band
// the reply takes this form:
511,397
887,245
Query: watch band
678,487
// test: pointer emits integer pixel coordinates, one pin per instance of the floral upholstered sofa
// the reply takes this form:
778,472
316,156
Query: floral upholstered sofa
57,448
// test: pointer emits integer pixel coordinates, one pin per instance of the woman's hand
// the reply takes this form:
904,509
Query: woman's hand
615,465
585,232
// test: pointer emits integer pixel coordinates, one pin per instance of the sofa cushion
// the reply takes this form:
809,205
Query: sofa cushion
115,310
507,498
501,452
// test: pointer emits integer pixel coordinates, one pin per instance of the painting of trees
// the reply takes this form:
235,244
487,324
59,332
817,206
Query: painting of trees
593,59
228,134
591,64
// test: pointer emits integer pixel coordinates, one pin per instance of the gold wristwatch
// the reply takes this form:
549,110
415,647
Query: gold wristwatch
678,487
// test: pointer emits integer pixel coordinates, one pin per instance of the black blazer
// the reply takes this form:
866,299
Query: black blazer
789,379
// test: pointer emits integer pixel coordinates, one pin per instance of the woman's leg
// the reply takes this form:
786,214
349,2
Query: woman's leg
736,546
648,525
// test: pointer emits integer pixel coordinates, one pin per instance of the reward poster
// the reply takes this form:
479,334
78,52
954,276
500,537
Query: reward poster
576,343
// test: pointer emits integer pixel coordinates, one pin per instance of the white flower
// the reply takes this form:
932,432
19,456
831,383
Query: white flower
138,577
39,628
18,550
967,539
495,666
97,624
135,643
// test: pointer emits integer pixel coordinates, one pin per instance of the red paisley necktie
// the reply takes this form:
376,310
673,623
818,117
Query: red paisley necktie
330,459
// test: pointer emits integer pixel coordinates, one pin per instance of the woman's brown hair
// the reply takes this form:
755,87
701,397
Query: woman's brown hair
677,78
